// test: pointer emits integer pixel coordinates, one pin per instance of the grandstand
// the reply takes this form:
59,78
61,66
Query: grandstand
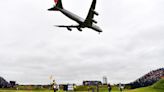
148,79
3,83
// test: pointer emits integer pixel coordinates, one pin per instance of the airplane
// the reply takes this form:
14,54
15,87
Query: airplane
89,22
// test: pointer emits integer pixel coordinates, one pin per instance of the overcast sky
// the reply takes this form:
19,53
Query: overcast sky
32,49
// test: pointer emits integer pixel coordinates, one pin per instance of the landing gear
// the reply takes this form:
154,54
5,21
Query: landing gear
79,29
69,28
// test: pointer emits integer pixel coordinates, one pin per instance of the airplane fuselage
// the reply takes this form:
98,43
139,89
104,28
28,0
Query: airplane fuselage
79,20
72,16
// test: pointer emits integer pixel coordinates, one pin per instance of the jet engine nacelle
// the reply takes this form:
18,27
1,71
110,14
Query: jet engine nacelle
79,29
96,13
94,21
69,28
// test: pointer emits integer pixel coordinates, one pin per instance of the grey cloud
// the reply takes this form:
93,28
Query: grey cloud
131,44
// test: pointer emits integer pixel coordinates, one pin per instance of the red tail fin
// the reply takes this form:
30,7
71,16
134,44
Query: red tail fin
56,1
58,5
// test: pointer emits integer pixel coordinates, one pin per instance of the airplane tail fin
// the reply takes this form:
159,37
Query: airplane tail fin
58,5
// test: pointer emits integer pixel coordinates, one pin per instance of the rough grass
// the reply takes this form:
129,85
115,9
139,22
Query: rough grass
147,89
157,87
159,84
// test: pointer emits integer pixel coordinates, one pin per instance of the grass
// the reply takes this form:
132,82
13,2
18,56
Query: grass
157,87
147,89
26,90
159,84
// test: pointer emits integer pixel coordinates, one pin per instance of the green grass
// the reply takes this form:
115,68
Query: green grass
147,89
26,90
157,87
159,84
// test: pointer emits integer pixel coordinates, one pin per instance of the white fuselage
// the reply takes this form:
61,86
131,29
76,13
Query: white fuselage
79,20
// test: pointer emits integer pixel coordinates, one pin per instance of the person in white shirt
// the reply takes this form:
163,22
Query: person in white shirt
55,86
121,87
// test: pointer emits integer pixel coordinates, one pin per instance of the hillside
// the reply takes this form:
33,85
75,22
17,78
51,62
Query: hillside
157,87
159,84
148,79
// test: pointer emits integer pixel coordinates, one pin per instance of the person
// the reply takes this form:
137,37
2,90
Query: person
109,88
74,87
121,87
55,86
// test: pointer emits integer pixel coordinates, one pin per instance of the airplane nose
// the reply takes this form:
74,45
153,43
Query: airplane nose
100,30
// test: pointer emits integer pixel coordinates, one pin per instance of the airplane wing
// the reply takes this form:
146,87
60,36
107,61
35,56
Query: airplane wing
69,27
89,20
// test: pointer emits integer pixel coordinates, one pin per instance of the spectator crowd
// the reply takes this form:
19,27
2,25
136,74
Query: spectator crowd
148,79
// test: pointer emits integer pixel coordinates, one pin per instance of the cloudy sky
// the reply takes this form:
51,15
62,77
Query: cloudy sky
32,49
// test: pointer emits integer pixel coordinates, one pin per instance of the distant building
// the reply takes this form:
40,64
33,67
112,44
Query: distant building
12,83
63,87
105,80
3,83
91,83
66,87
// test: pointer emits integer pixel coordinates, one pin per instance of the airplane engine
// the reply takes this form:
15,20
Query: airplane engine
94,21
69,28
79,29
96,13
